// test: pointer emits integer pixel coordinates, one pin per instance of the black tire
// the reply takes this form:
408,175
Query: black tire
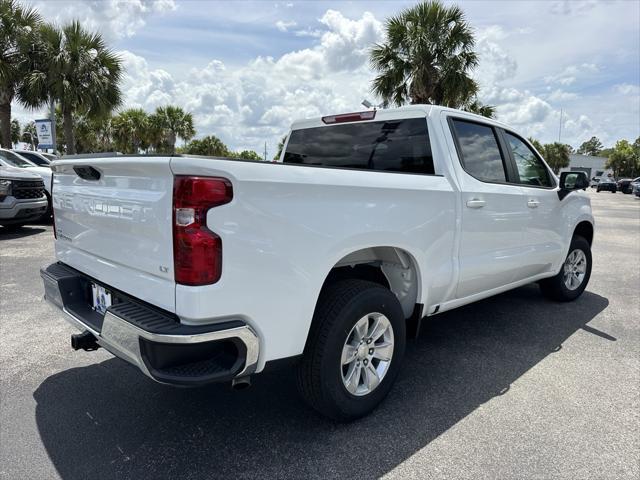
319,374
555,288
13,227
47,214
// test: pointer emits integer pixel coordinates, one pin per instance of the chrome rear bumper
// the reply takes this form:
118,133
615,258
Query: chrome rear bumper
151,339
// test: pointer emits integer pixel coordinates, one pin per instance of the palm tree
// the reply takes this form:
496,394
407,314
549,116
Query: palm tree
18,27
75,68
16,131
30,135
130,130
93,134
479,108
169,123
427,57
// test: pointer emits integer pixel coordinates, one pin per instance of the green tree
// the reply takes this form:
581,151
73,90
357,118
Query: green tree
210,146
427,58
606,152
93,134
479,108
625,159
556,155
131,130
75,68
169,123
15,131
29,135
248,155
18,28
537,145
593,147
280,147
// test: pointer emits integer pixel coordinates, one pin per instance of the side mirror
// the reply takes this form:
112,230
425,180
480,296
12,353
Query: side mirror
570,181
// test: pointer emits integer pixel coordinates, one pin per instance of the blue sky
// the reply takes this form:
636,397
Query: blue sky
248,69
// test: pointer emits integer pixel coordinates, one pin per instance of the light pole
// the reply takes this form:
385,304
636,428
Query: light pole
52,115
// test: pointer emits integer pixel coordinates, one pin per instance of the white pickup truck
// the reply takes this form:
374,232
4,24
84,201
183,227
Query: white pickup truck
200,270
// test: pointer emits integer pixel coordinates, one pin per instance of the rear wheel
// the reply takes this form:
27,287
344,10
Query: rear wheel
574,274
354,350
13,227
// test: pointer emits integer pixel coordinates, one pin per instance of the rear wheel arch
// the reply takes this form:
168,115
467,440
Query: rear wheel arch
391,267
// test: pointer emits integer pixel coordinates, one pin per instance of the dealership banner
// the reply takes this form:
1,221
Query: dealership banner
45,135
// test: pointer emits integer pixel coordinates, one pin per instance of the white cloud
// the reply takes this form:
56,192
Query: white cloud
114,18
627,89
284,26
249,104
572,7
252,101
561,96
495,64
572,73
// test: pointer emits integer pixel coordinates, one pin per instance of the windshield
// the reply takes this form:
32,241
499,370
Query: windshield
35,158
15,160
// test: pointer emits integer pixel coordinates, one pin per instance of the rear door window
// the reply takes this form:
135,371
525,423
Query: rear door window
391,146
480,154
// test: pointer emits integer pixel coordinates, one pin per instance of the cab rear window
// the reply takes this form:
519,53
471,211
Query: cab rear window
390,146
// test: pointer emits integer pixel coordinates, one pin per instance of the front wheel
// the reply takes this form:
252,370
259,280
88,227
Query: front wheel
354,350
574,274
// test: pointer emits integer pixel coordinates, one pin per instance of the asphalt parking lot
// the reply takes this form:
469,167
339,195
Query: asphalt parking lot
512,387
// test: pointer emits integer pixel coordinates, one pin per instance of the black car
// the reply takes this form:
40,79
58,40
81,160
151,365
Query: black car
624,185
607,184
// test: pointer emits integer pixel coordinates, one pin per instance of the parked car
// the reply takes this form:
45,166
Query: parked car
607,184
36,158
635,186
22,197
594,182
49,156
624,185
12,159
199,270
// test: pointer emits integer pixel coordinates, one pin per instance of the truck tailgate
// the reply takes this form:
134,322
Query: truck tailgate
118,228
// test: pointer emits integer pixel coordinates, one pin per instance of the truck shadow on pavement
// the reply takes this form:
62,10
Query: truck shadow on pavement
108,421
9,234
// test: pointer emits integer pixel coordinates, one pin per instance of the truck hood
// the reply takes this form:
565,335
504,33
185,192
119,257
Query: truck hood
18,173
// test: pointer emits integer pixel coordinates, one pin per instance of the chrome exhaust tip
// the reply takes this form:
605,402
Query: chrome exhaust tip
241,383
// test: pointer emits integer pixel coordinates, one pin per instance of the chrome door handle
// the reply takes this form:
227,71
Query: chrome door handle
475,203
533,204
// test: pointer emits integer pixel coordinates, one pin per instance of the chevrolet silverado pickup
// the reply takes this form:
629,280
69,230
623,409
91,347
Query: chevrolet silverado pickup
22,197
201,270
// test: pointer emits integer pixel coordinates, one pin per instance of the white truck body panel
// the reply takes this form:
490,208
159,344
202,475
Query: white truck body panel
119,229
288,226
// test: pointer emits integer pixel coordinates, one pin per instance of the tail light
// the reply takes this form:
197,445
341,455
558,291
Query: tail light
197,251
